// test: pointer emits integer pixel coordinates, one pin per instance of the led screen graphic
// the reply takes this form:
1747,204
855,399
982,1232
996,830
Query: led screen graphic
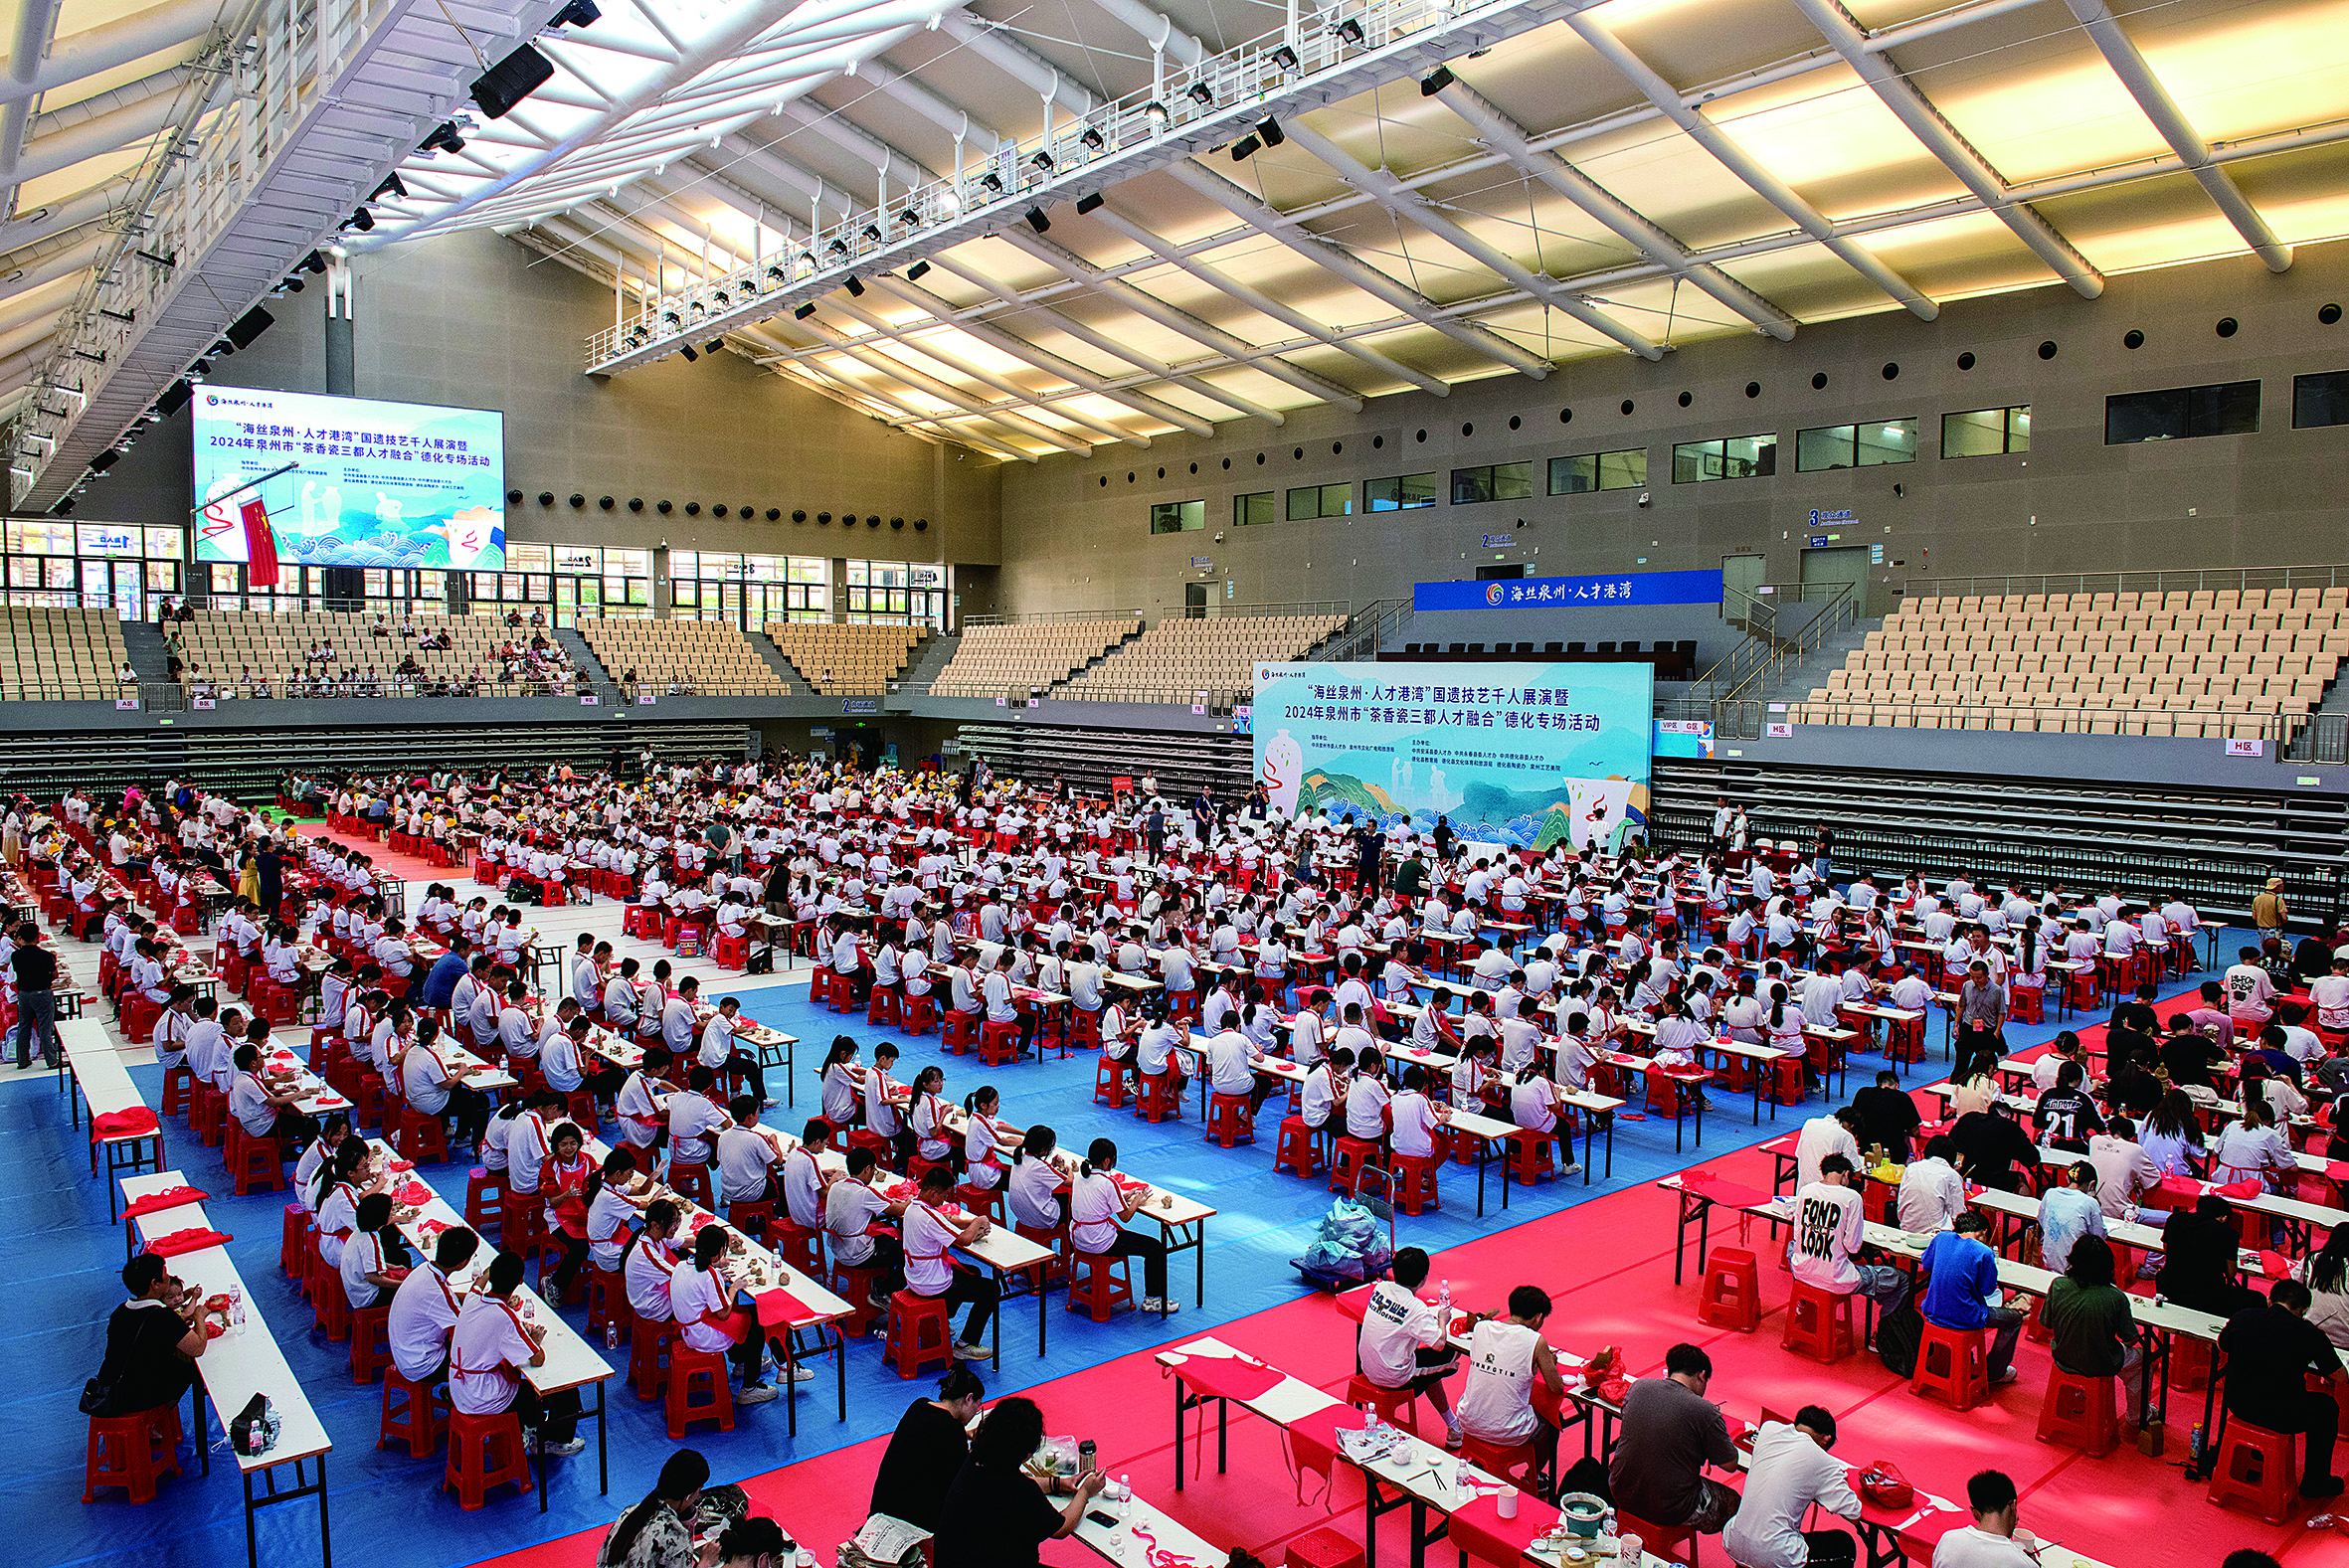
366,483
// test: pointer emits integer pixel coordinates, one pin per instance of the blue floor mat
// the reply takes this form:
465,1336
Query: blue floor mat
388,1509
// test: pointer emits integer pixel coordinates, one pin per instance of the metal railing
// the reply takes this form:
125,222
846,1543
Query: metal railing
1217,609
1760,661
2195,580
1747,718
1366,631
2324,739
1047,616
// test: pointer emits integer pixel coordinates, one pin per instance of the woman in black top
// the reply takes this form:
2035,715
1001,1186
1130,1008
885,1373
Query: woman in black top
995,1513
928,1448
2199,1267
153,1340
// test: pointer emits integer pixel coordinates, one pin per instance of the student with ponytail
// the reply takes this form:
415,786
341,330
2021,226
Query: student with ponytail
1098,1210
985,1141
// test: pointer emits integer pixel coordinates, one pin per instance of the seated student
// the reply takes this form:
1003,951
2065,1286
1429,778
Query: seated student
987,1139
570,1183
1231,1061
1097,1213
261,1110
1888,1117
1963,1291
425,1309
2199,1253
701,1297
2094,1333
720,1054
2068,1213
856,1214
1791,1468
153,1340
1325,1088
694,1119
1829,1226
375,1258
2173,1138
666,1528
748,1155
1669,1433
2065,1116
1994,1539
1992,1150
1403,1343
932,1441
646,1262
994,1513
1367,1099
1506,1357
1157,1051
489,1351
431,1089
928,1235
1932,1193
2272,1350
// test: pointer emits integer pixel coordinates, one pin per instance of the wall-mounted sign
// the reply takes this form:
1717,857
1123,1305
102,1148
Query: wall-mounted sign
820,732
1628,587
1819,539
589,700
2252,748
1779,732
1202,563
1842,515
861,705
1876,554
1498,541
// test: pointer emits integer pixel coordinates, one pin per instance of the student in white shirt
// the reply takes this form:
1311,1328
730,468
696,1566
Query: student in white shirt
1366,1098
927,1236
1829,1224
487,1352
1403,1344
374,1258
1325,1087
1414,1123
1791,1469
1506,1357
1995,1539
425,1309
747,1154
1932,1194
1098,1209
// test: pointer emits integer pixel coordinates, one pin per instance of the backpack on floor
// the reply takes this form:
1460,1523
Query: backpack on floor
1899,1334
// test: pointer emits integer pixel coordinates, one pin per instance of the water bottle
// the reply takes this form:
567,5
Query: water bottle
1443,1305
1124,1496
612,1336
2194,1446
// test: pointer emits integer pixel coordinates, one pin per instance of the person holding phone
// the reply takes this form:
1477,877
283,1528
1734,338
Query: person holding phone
997,1514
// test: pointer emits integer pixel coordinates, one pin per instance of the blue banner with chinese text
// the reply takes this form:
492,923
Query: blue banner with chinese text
1556,593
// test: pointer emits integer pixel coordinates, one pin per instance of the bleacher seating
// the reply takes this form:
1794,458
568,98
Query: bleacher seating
1178,658
2194,665
222,644
994,659
845,661
707,657
60,655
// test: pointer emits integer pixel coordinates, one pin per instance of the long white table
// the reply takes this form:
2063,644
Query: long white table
236,1367
105,1087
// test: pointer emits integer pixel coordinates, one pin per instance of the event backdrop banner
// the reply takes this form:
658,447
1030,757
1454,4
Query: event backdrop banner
1567,593
1512,753
370,483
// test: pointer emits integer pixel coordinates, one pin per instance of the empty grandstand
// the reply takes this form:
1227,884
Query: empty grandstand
71,655
1176,660
680,659
992,660
847,660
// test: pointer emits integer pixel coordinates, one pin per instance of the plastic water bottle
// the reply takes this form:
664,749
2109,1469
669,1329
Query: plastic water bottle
612,1336
1443,1304
1124,1496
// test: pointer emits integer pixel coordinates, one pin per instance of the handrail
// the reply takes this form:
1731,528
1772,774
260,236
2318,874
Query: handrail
1364,631
1840,610
1040,617
1743,718
1217,609
2189,580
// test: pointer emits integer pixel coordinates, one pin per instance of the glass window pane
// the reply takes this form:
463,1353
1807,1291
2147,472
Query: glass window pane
1249,511
1977,433
2230,409
1623,470
1337,500
1573,475
1470,485
1888,440
858,572
1303,504
166,544
530,558
1828,447
2320,400
1750,456
2019,428
1692,463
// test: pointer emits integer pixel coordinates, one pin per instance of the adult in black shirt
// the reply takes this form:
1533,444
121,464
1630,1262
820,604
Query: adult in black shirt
34,971
2064,1115
2198,1260
2269,1351
1992,1150
1887,1116
995,1514
1444,838
153,1340
2134,1012
2132,1091
2189,1057
929,1449
2124,1046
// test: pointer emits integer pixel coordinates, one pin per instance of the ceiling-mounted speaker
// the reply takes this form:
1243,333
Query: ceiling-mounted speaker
512,80
251,324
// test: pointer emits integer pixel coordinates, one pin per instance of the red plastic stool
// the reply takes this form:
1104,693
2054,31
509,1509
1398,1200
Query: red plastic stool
1324,1547
919,1334
1054,1237
608,1301
754,1219
2080,1411
731,953
691,1178
1101,1283
1417,1183
799,1246
254,1162
421,1139
1952,1364
1161,1097
1529,1154
370,1103
1517,1463
1731,1291
2257,1469
922,1164
1819,1324
649,1351
1109,1082
998,1042
639,921
1395,1405
2190,1364
1299,1151
1674,1543
179,1088
295,1244
207,1115
1229,1122
371,1340
962,1031
483,1452
982,1200
854,1284
132,1452
705,1369
885,1007
1355,1156
420,1419
921,1014
328,1301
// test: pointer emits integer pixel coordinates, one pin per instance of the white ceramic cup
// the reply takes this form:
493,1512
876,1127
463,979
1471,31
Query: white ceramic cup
1506,1503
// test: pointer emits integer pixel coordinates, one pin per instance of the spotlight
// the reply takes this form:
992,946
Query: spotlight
695,311
1270,129
872,232
1037,218
689,351
838,248
104,460
224,348
992,182
721,297
1285,57
1202,95
915,272
1043,160
805,264
1245,148
774,273
713,346
909,218
361,220
1156,114
510,81
202,367
804,311
313,263
391,183
578,13
1091,138
291,285
1435,82
855,286
1349,31
671,321
1088,202
443,138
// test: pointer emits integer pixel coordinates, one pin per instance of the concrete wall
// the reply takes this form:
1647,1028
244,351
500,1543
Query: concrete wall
1700,624
2072,504
477,320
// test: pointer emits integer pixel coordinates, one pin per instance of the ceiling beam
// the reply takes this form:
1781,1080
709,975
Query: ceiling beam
921,338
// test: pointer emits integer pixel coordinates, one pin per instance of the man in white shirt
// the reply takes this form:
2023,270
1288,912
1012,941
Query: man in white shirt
1790,1470
1995,1538
1932,1193
1830,1225
425,1309
489,1351
1402,1344
2248,990
1833,1134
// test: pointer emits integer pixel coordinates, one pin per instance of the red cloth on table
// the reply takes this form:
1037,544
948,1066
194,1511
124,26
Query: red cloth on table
2239,1189
1477,1529
778,1307
1226,1376
122,1124
196,1240
169,1198
1706,1185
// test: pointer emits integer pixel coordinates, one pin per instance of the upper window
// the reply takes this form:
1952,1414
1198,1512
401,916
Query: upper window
1249,510
1855,446
1321,500
2230,408
1401,493
1986,432
1599,471
1500,481
1735,457
2317,401
1177,517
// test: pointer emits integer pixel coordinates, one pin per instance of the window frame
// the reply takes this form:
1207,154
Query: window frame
1486,477
2192,406
1239,509
1764,466
1370,502
1189,517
